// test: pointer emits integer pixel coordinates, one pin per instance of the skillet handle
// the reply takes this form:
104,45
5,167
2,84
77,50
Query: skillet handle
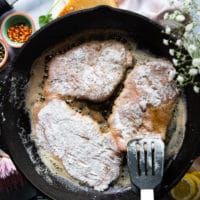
146,194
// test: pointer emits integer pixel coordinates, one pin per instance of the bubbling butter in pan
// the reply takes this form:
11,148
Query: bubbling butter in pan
98,111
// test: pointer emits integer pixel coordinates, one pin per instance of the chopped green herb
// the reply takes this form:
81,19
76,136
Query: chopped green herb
45,19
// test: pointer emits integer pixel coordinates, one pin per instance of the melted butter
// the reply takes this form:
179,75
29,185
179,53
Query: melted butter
54,163
176,130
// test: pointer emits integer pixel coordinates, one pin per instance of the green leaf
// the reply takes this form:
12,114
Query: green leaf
45,19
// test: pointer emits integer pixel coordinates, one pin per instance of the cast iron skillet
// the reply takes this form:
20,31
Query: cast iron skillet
15,120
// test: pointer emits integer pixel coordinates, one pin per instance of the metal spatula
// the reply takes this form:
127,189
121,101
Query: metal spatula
145,161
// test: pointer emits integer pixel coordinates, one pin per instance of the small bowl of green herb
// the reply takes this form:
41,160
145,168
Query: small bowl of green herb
3,53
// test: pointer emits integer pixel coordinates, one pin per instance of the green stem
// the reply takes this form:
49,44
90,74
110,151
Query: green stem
53,6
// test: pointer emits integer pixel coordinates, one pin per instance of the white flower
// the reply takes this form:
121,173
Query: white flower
183,22
185,3
192,48
187,35
172,74
167,30
175,61
166,16
189,27
178,55
180,79
179,42
171,2
196,89
193,72
165,42
180,18
196,62
177,12
171,52
172,16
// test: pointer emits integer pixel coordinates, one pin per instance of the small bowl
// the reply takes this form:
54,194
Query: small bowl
3,62
13,19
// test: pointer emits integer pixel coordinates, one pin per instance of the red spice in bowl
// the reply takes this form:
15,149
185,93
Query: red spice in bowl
17,28
19,32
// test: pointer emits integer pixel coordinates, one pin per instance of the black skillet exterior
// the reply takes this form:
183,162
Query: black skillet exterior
146,32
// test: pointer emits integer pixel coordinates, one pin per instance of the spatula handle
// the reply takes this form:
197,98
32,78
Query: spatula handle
146,194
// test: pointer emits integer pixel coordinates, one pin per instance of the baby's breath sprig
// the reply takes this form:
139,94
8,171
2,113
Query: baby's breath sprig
184,25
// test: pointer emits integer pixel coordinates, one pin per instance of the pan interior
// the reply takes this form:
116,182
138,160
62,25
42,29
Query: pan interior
49,166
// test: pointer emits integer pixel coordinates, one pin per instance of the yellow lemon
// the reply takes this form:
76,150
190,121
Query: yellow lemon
74,5
196,179
196,174
185,189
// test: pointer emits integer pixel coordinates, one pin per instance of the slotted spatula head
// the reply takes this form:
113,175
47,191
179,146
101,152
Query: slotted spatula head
145,161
